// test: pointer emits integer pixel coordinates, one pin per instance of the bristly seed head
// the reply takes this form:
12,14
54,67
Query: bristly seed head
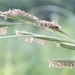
53,25
62,63
41,23
15,12
31,40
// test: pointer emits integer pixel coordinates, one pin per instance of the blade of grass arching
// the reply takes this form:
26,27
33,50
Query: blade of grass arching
33,22
57,31
67,45
48,38
63,32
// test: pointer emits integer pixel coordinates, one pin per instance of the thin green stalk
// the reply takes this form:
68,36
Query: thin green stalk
4,24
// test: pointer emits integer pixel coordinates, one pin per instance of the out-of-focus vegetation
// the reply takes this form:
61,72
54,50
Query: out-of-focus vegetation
20,58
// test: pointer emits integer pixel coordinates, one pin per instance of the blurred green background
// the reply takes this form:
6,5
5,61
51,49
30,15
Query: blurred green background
20,58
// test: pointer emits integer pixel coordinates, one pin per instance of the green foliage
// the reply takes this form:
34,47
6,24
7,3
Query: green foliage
21,57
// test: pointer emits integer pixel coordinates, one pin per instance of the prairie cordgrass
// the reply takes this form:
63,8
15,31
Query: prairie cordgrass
30,37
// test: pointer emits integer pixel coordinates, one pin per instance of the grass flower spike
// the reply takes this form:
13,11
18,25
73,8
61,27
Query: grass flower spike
62,63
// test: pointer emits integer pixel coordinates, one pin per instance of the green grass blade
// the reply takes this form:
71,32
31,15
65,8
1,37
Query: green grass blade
48,38
68,45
